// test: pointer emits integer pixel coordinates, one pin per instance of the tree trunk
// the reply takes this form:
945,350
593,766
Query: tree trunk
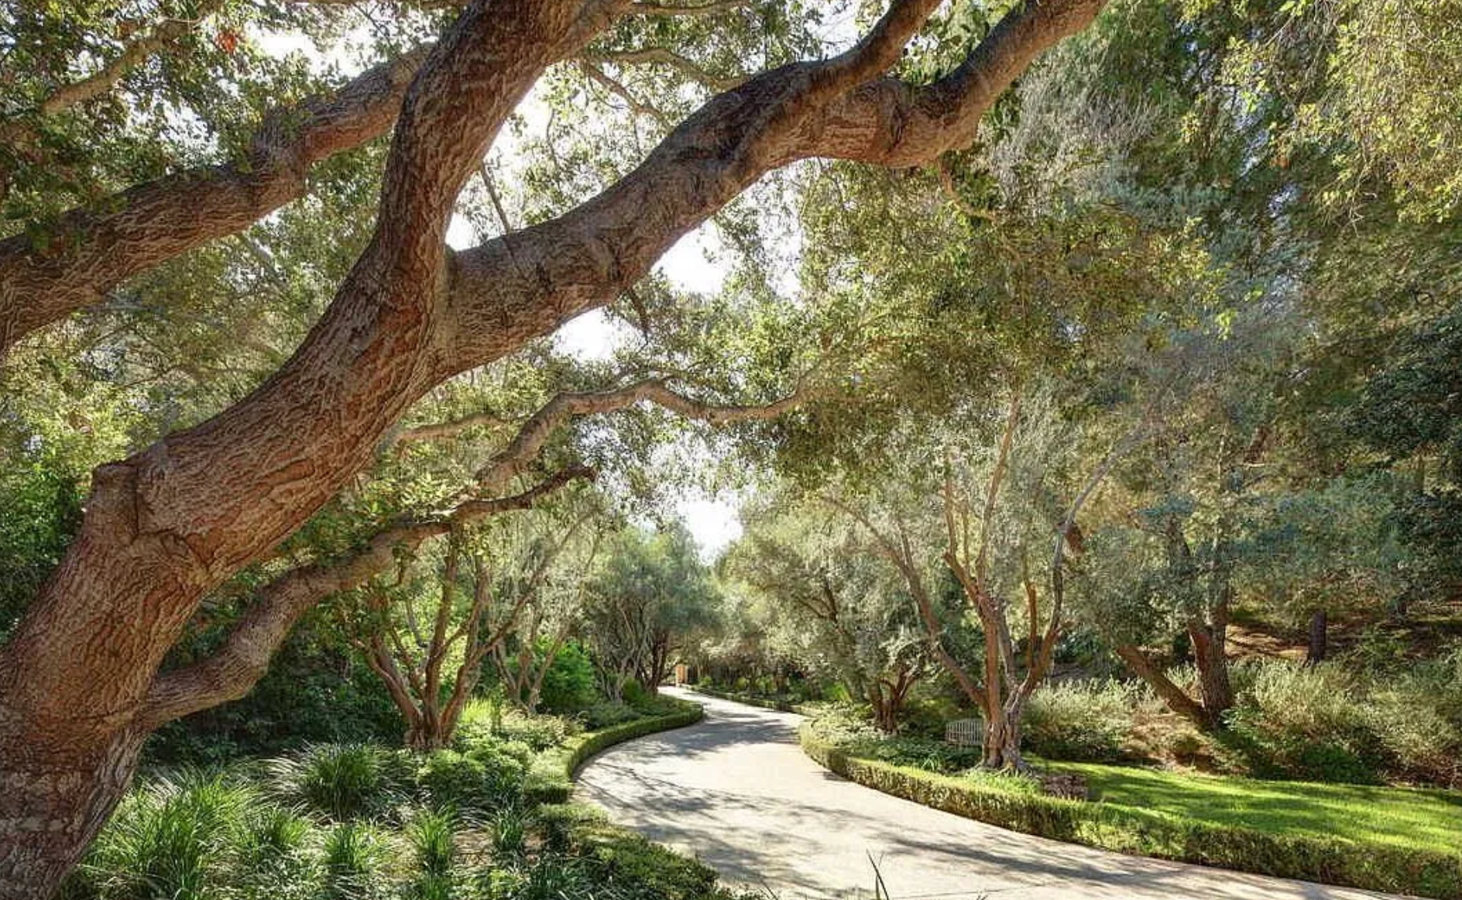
426,736
1212,660
1319,637
885,708
1002,741
1172,695
56,796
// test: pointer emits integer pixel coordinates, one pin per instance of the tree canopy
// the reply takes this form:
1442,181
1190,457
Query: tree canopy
1029,324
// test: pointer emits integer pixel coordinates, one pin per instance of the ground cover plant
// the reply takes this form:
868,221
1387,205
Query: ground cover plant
364,820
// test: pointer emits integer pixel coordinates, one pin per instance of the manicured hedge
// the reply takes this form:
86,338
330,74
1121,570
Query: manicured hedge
801,709
1374,867
651,867
550,780
656,871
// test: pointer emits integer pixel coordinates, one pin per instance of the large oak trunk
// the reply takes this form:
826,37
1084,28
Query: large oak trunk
55,795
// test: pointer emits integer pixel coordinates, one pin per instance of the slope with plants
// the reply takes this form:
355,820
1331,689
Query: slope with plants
486,818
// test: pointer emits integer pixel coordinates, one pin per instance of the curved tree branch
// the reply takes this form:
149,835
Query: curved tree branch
635,104
508,462
533,280
662,56
451,428
244,657
102,80
92,250
715,7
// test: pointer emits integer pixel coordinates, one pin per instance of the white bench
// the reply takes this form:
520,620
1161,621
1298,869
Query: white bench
964,732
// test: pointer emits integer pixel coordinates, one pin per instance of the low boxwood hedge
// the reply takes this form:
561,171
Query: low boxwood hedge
1374,867
551,777
653,869
802,709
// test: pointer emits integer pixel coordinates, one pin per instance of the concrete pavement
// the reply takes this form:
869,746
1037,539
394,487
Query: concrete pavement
736,791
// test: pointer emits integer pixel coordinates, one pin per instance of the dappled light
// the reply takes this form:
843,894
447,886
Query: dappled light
892,448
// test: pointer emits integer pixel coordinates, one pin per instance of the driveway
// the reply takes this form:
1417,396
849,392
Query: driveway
736,791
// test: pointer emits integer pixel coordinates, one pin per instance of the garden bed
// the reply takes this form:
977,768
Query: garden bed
550,780
369,822
1401,865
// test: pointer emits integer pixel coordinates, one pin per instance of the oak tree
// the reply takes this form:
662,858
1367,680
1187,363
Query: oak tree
167,524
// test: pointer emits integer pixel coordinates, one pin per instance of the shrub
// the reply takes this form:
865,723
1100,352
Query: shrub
483,779
925,753
433,835
272,835
549,778
607,713
509,829
1417,717
538,732
849,727
635,693
926,717
627,859
434,887
340,780
1185,747
275,857
482,716
545,877
1306,722
568,685
302,699
352,855
172,838
1128,830
1079,720
491,730
557,822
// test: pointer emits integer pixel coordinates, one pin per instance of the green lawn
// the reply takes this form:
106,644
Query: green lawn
1418,819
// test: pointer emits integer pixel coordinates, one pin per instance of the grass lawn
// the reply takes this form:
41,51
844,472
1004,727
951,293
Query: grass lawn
1402,817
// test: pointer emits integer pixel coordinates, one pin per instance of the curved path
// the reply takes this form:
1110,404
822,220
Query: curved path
736,791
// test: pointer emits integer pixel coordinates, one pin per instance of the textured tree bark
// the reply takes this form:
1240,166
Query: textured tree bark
889,693
1212,661
92,251
885,716
69,788
1002,741
170,523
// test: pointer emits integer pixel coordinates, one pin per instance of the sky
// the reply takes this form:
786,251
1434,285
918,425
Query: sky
711,519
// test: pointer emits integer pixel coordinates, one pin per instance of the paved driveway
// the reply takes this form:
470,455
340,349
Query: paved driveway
736,791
